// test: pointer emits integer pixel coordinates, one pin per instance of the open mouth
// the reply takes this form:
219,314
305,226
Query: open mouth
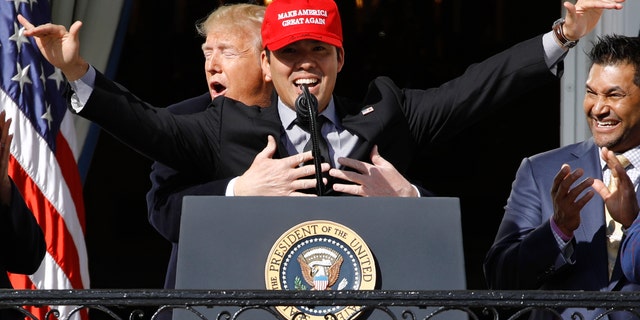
308,82
218,89
607,124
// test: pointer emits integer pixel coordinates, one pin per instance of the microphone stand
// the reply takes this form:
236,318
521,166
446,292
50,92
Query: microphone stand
307,111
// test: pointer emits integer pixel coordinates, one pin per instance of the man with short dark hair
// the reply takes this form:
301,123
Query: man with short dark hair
555,235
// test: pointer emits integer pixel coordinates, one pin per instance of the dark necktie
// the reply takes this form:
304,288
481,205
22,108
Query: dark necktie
322,142
323,148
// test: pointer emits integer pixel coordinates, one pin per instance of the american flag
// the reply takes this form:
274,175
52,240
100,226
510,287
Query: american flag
43,152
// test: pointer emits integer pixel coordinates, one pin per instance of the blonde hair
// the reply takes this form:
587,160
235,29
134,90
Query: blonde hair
247,17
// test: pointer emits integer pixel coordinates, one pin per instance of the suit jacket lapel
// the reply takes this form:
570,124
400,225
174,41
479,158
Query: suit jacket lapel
361,120
243,134
269,117
592,218
587,157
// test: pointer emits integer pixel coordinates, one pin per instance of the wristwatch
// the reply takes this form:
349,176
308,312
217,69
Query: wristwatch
559,34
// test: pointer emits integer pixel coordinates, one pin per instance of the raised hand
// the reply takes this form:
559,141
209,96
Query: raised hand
583,16
621,203
567,201
59,46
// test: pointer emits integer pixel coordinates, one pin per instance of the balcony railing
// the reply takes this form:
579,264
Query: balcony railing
238,304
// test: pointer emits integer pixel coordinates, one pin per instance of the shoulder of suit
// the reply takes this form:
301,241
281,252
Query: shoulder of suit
568,152
191,105
384,81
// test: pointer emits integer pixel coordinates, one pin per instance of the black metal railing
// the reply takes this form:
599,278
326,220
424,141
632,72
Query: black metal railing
239,304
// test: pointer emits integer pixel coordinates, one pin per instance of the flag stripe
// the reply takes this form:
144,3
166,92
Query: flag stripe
43,153
57,218
71,176
55,230
47,268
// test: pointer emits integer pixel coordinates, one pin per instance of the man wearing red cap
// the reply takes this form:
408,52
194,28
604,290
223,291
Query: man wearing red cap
290,21
303,46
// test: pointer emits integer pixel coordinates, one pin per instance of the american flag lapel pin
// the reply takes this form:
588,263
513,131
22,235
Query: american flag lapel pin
367,110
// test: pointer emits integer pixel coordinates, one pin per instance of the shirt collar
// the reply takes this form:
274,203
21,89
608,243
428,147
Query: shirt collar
632,154
288,115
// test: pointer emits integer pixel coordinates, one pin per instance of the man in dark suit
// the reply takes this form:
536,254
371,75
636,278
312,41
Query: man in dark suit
22,244
555,235
231,48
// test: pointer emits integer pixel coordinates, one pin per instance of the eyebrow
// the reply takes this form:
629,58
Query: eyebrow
609,90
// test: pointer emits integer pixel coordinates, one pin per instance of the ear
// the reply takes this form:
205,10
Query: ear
266,66
340,52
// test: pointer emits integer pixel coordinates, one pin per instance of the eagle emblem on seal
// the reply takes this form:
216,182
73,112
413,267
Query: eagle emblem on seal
320,267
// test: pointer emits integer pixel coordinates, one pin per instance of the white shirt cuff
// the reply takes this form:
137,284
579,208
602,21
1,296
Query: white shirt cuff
82,89
229,192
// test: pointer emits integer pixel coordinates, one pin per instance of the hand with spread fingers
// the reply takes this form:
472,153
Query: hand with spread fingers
583,16
568,201
376,179
621,199
59,46
277,177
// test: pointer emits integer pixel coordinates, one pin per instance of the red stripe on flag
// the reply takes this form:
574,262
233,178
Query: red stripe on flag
71,175
40,312
24,282
59,241
21,281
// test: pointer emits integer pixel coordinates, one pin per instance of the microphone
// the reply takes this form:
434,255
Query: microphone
304,108
307,115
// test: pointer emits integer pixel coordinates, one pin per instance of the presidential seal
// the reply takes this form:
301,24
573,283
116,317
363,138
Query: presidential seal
320,255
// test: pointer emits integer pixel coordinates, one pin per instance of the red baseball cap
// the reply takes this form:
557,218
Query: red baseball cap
288,21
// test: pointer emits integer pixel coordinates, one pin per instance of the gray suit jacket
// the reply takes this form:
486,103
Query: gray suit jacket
525,254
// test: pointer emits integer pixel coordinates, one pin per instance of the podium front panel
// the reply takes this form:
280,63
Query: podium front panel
225,241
